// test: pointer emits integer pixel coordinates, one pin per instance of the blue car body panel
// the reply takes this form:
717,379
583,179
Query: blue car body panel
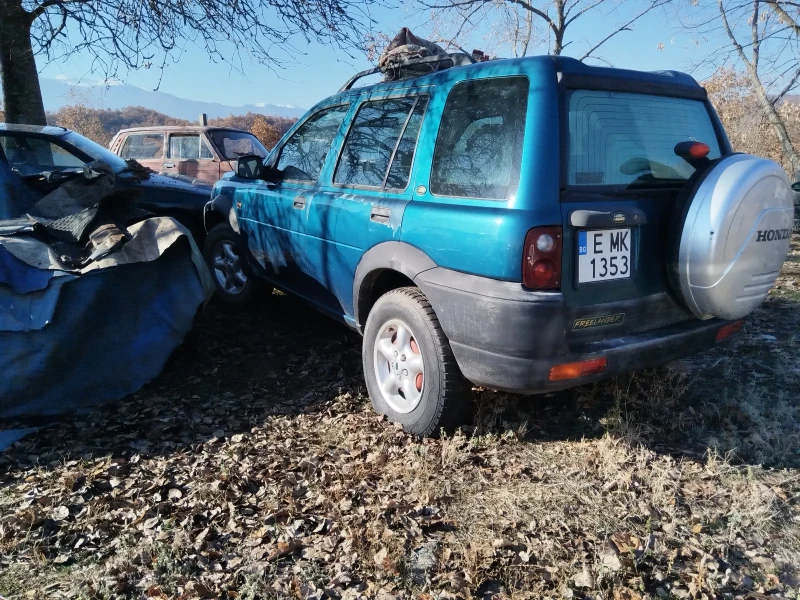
436,225
466,253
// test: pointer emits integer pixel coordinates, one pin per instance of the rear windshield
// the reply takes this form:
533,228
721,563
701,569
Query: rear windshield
618,138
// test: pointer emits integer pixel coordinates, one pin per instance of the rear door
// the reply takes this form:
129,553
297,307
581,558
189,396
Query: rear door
145,148
620,181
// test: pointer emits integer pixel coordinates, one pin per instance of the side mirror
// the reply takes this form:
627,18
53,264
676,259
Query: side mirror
796,186
249,167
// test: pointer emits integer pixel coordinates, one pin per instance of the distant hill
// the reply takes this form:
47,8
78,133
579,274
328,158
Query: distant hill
57,94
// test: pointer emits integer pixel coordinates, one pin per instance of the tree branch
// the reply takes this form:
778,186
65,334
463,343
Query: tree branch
624,27
44,6
784,16
729,32
787,88
581,12
754,30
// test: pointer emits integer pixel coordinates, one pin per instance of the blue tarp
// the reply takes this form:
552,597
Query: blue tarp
69,340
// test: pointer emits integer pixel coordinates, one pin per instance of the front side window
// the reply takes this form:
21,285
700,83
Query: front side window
188,147
479,147
143,146
304,154
618,138
372,143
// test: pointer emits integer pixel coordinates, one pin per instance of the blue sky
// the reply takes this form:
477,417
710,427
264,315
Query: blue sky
320,70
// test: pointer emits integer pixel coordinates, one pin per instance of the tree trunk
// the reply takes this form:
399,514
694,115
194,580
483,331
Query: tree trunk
777,123
22,95
559,28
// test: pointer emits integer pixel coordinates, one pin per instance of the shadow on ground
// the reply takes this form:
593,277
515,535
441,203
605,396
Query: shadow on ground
236,369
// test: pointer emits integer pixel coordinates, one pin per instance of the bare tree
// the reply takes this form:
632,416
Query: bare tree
134,34
762,39
534,23
759,31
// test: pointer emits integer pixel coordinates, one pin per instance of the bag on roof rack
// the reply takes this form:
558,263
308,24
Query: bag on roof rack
408,47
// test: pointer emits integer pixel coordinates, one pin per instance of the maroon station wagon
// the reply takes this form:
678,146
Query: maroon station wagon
196,151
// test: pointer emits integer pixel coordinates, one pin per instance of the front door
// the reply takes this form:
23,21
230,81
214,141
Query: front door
190,156
363,203
274,216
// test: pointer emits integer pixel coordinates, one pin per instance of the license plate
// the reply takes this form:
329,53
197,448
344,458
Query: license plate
604,254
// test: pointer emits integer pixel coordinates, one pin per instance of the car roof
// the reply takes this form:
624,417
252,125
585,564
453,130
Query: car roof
520,66
51,130
192,128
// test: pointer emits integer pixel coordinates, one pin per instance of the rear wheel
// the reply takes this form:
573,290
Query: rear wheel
411,374
226,259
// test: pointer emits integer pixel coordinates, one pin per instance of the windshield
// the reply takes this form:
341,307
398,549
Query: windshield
233,144
618,138
96,151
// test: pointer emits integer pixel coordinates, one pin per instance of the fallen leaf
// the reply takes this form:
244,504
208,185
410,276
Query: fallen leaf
583,579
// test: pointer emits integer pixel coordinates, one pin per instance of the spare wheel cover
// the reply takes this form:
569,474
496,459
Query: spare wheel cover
735,237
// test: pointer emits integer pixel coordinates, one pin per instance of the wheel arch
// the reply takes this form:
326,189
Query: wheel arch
385,267
220,210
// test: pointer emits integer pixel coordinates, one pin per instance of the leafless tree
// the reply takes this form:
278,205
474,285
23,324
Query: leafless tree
762,38
525,24
134,34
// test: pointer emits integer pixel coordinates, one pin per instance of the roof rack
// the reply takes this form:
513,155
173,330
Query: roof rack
459,59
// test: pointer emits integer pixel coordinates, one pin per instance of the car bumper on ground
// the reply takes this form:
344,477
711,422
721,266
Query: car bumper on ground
508,338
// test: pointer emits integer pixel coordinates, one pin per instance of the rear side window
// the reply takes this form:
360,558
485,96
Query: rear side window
479,147
303,155
383,132
618,138
144,146
188,147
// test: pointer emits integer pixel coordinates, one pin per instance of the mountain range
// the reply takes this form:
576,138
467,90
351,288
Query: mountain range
57,94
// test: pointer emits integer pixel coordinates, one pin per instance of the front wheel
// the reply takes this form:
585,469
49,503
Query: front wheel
225,256
411,373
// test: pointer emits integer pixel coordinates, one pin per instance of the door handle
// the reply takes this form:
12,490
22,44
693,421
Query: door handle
380,214
169,165
599,218
299,202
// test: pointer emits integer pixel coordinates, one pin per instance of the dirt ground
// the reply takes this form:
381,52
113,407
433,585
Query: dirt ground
254,467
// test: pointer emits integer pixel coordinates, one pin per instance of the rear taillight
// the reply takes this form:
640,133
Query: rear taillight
541,261
578,369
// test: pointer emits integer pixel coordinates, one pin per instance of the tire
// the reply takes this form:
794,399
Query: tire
444,400
243,288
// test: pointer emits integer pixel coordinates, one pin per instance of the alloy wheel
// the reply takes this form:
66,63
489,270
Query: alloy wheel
399,367
227,265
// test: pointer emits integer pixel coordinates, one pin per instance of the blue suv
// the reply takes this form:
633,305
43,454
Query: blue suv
525,225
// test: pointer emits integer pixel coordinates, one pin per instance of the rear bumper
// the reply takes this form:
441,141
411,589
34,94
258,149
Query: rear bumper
508,338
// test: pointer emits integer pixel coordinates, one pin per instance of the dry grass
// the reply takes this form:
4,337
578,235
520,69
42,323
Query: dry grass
680,482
